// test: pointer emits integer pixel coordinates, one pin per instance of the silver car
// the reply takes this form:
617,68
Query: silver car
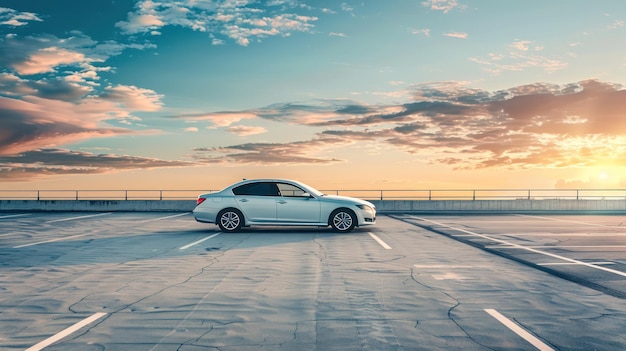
281,202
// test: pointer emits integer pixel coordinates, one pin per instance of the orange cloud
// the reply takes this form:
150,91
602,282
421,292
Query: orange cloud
580,124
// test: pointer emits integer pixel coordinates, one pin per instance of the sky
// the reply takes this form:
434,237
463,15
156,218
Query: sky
395,94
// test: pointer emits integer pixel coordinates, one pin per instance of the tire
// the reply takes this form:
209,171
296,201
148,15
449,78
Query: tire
342,220
230,220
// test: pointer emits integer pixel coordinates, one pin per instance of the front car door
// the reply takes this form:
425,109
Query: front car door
296,206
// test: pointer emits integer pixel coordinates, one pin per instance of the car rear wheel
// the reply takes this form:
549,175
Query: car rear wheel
230,220
342,220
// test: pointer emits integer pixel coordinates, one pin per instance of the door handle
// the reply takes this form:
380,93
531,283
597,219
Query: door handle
282,201
243,200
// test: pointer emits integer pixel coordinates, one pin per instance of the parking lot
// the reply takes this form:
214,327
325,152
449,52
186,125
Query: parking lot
161,281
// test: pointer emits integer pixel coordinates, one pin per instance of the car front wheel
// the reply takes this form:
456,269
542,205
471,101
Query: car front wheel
342,220
230,220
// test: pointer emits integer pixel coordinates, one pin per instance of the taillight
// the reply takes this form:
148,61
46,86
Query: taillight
200,200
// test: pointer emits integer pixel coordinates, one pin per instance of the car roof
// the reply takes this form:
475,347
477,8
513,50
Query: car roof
273,180
268,180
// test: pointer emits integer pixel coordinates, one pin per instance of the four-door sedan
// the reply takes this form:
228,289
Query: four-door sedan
281,202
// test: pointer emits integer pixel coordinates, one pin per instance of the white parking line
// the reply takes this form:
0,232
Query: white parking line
570,221
15,215
166,217
74,328
589,235
379,240
199,241
512,245
79,217
568,263
519,330
51,240
561,247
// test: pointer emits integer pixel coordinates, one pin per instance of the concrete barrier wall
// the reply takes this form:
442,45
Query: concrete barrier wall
502,206
383,206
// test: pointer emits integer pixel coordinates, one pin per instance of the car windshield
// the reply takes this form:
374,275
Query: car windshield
314,191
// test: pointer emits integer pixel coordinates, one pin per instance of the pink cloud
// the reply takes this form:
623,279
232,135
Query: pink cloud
45,60
134,98
222,119
247,130
35,122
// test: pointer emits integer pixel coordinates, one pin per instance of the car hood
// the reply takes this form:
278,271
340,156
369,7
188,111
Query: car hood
347,199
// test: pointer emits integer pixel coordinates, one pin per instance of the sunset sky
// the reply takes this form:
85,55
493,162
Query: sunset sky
373,94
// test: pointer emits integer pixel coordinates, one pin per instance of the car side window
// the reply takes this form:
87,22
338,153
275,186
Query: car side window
288,190
257,189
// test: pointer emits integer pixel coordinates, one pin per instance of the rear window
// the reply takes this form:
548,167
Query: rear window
257,189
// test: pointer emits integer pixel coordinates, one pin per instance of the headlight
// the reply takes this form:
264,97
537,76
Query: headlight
365,207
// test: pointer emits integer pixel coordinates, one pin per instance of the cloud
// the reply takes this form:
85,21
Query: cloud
519,56
241,21
535,125
458,35
425,32
48,162
140,23
220,119
616,24
521,45
32,122
443,5
246,130
10,17
447,123
46,59
345,7
50,93
56,68
299,152
318,112
133,98
46,54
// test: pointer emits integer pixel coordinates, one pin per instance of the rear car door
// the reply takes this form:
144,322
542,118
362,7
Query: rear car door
257,201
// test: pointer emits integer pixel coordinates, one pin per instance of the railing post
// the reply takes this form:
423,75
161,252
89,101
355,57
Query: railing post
161,195
473,195
528,194
37,195
125,195
576,194
76,195
430,195
381,195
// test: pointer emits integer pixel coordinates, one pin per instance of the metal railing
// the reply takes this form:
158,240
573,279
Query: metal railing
100,194
424,194
487,194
